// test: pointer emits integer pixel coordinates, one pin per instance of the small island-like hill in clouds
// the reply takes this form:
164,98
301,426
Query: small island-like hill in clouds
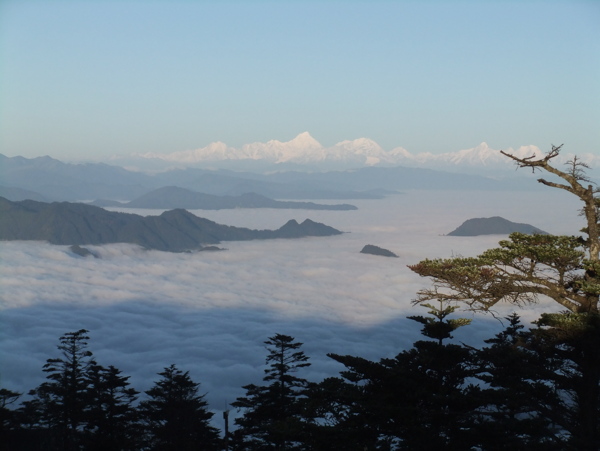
493,226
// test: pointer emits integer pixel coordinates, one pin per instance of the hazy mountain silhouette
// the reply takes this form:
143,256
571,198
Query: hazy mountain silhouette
176,230
16,194
170,197
75,182
65,181
493,226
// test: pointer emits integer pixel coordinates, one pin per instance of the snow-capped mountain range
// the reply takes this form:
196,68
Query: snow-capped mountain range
305,150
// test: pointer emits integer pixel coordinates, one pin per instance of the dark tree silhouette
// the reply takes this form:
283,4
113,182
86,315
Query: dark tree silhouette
519,404
419,400
62,400
20,428
176,416
272,414
335,411
570,345
111,417
7,416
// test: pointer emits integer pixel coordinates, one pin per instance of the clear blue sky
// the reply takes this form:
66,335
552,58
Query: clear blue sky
90,79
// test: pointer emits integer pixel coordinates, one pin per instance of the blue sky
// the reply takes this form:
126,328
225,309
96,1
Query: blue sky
85,80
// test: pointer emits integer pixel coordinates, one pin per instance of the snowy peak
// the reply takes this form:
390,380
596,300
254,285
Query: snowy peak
300,148
361,145
214,151
360,152
303,149
478,154
304,140
482,155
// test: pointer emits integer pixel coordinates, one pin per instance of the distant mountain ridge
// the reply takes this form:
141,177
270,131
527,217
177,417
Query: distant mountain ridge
170,197
175,230
55,180
48,179
17,194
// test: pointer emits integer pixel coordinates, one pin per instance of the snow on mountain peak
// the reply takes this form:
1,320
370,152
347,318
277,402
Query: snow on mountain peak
305,140
304,149
363,151
484,155
361,145
526,151
480,154
298,148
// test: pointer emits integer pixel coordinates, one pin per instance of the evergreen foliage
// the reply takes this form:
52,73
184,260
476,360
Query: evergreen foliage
438,326
63,398
176,417
565,269
112,423
570,345
417,400
272,413
7,416
516,399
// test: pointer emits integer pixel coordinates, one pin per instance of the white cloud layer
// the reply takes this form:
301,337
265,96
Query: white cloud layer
209,313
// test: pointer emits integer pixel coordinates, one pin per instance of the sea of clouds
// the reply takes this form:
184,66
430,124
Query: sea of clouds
210,312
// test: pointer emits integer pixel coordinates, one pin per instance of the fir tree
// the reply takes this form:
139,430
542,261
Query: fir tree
272,413
111,417
569,343
518,405
62,400
7,415
420,399
176,416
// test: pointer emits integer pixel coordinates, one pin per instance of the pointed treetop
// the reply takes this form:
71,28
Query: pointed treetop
437,326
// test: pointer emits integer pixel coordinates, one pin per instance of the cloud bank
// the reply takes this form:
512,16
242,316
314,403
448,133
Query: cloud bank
210,313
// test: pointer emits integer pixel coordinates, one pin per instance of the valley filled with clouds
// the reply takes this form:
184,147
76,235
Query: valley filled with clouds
210,312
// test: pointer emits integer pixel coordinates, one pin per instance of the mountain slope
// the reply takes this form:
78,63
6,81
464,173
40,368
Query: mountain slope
176,230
